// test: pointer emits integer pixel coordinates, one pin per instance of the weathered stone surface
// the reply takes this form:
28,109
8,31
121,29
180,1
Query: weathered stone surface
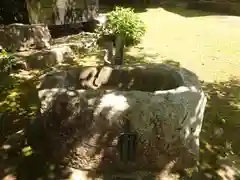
82,126
21,37
56,55
78,42
117,77
48,58
61,12
63,50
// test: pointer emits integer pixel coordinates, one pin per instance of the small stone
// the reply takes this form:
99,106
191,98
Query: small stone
218,132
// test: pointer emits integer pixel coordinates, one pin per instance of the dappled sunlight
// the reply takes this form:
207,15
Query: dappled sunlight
16,108
220,129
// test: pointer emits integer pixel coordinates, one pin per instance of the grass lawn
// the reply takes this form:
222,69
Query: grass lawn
208,45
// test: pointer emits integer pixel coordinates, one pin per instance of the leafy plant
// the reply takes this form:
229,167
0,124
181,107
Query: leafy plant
124,22
7,62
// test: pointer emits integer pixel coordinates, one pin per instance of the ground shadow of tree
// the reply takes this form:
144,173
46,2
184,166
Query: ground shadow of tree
203,8
13,12
187,12
221,129
183,8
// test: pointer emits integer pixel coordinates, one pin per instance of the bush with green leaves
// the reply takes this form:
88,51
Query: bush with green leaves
124,22
7,62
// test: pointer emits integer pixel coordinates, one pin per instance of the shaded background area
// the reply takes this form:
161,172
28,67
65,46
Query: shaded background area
225,7
13,11
16,108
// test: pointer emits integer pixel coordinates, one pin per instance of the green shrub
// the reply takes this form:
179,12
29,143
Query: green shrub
123,21
7,62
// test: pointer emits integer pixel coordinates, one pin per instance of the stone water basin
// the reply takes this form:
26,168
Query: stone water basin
160,107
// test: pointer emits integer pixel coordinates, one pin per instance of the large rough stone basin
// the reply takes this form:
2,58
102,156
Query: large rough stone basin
163,105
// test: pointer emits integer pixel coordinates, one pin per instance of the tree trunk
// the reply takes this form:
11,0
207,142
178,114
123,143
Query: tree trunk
60,12
91,9
119,55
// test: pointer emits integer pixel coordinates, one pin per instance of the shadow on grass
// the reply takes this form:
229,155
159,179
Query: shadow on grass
185,9
185,12
203,8
220,148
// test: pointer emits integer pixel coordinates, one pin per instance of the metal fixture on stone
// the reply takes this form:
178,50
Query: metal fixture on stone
127,144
